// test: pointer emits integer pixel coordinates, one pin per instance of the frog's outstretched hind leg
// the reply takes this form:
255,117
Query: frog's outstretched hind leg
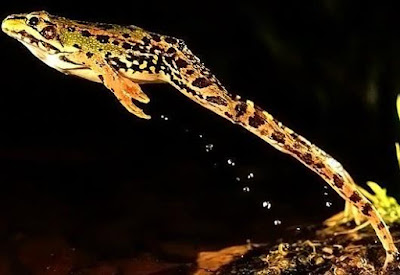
126,91
133,90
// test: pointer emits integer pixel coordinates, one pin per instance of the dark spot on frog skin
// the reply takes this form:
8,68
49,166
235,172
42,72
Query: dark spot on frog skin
191,91
108,54
126,35
217,100
256,120
101,78
136,47
338,181
102,38
86,33
171,50
294,135
240,109
89,54
367,209
381,226
116,42
201,82
146,40
77,46
190,72
319,165
118,64
297,153
355,197
307,158
155,50
280,138
296,145
170,40
302,141
180,63
126,46
181,45
229,115
156,37
71,29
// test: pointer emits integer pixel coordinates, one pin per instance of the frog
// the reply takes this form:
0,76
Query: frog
125,57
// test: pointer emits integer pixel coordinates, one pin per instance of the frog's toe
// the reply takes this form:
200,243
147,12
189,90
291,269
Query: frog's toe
132,108
392,260
120,90
134,91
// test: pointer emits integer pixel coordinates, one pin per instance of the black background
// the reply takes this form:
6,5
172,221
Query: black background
75,164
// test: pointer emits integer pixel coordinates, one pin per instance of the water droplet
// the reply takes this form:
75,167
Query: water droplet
325,186
200,136
231,162
250,175
209,147
325,193
298,228
328,204
164,117
237,179
267,204
246,189
277,222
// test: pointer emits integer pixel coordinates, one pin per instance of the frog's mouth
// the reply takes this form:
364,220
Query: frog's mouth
30,41
46,52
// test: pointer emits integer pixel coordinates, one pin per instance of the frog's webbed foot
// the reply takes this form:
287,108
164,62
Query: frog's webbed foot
393,260
126,91
134,91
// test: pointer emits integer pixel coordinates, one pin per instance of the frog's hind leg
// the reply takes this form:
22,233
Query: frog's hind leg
133,90
126,91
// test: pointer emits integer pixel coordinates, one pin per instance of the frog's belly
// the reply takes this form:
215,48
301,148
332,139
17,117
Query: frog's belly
69,68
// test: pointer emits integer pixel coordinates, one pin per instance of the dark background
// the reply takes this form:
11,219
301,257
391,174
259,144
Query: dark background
77,167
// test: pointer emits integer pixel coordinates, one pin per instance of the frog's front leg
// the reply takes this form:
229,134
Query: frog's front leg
123,88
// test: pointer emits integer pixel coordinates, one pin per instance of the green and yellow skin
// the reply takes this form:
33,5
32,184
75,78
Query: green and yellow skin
123,57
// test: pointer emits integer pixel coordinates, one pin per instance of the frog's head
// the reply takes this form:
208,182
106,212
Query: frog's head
38,31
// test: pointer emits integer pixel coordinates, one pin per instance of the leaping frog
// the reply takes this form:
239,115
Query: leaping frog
124,57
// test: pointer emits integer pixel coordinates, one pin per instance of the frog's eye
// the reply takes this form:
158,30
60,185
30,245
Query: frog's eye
33,21
49,32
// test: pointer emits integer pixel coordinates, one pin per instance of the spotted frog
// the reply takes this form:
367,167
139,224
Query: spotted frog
124,57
